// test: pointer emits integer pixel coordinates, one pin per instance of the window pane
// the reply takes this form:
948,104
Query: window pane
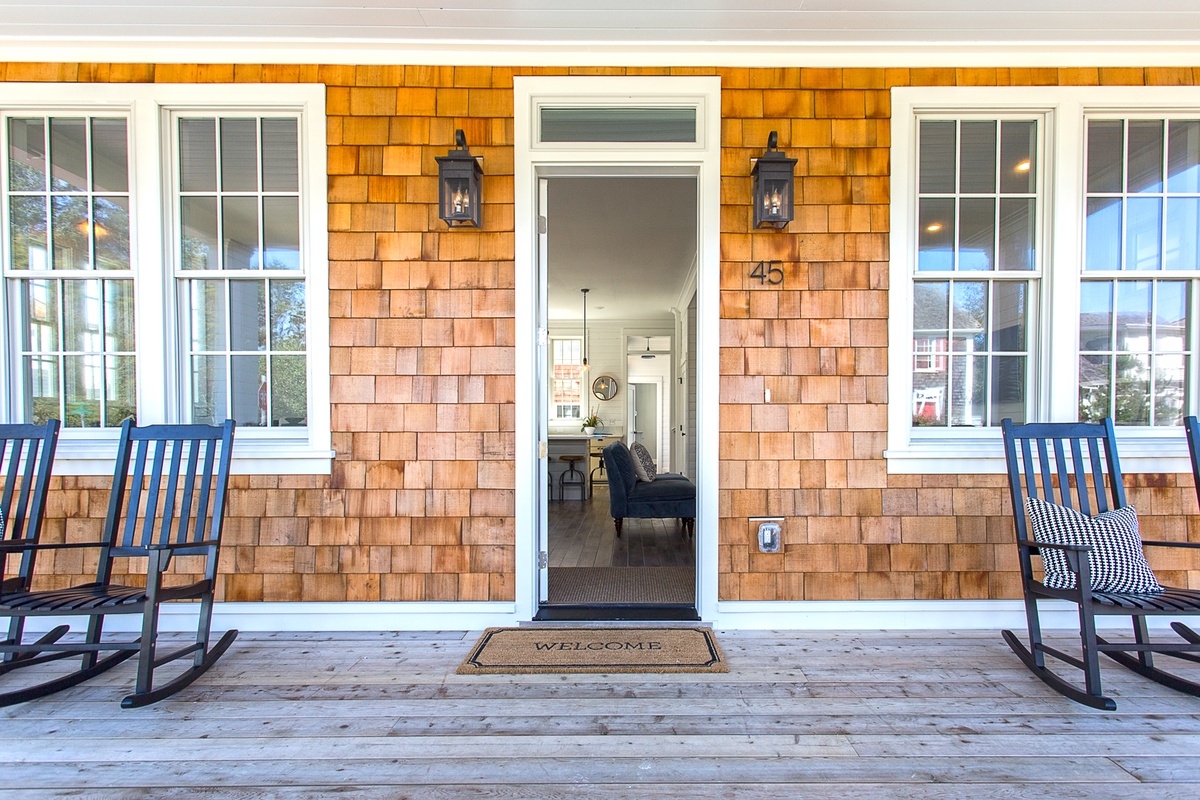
110,156
977,233
27,155
1095,380
1170,396
281,232
198,216
1183,225
120,390
1183,158
1143,225
248,385
110,231
929,395
247,315
1103,234
1132,393
207,315
1133,316
289,391
239,155
239,224
978,158
83,320
280,156
1105,151
1009,381
938,157
68,155
84,391
1095,315
1017,248
931,311
287,315
1145,155
1009,317
618,124
208,390
1018,143
42,397
198,155
1171,317
39,331
935,243
118,317
969,320
28,233
71,229
968,391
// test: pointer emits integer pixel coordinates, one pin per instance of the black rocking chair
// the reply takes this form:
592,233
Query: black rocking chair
171,504
1071,458
27,453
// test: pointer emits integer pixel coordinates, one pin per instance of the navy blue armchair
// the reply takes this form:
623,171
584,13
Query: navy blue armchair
668,495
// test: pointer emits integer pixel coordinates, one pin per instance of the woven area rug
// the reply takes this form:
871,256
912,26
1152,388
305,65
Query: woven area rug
652,585
533,650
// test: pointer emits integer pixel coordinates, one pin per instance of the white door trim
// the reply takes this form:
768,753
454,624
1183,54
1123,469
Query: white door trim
530,161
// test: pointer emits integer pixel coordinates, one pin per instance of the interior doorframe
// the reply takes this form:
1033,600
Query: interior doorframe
533,161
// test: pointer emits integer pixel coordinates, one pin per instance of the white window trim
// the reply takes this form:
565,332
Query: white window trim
90,452
969,451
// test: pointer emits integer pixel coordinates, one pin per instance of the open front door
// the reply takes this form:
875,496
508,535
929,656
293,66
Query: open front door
542,397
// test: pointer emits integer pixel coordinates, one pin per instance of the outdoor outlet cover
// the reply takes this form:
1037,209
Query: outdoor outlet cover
768,537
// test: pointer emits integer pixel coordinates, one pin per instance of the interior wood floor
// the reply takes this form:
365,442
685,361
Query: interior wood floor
378,716
582,535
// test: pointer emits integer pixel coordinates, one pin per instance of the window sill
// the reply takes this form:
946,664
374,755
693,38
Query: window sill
251,456
1140,450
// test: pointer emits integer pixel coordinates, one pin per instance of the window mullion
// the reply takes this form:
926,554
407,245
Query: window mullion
1064,180
151,257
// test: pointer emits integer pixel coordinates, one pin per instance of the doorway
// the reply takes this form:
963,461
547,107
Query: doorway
586,126
613,263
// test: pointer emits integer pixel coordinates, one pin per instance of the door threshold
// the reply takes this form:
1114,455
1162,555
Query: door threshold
617,611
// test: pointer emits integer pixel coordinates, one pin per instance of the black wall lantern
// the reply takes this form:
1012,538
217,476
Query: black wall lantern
459,178
774,183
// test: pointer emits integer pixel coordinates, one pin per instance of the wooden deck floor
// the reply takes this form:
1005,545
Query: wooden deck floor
800,715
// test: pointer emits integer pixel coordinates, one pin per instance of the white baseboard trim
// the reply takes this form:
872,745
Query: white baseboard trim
903,615
730,615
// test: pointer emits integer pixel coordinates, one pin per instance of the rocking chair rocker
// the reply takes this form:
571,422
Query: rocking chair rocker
1071,458
171,504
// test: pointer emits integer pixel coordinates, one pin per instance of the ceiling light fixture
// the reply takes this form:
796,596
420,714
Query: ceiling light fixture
647,354
934,227
586,367
1024,166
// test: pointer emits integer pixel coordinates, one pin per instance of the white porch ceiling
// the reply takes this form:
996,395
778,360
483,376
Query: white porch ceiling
607,24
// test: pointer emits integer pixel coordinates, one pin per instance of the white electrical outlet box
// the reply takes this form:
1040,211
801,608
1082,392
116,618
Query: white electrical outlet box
770,533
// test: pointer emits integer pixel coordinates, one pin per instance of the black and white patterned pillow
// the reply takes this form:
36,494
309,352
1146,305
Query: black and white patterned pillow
1117,562
643,462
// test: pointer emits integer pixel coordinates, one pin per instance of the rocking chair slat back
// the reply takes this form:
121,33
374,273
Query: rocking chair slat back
27,453
178,498
1063,464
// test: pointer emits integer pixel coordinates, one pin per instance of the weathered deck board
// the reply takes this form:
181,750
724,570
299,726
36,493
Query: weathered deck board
860,716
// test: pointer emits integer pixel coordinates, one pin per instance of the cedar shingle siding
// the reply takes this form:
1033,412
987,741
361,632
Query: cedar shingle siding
420,503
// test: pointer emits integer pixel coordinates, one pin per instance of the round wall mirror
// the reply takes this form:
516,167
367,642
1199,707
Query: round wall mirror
604,387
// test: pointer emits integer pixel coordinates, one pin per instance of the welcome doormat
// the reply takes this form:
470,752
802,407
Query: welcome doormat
533,650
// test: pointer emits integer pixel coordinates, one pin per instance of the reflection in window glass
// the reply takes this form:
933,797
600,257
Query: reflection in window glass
68,200
239,330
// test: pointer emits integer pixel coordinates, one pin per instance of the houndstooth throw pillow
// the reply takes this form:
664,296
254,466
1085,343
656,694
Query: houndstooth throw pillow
1116,560
643,462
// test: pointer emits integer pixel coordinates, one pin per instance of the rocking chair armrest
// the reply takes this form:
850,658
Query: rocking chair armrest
182,545
1170,544
1077,548
16,546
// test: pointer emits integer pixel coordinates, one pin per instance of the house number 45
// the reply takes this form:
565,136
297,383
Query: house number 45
768,272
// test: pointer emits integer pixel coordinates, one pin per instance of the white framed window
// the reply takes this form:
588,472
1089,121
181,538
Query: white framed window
1044,267
163,255
566,382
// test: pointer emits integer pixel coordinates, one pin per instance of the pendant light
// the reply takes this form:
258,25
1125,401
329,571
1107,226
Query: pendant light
586,367
647,354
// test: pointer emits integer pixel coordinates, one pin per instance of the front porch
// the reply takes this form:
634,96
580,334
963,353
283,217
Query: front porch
881,714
